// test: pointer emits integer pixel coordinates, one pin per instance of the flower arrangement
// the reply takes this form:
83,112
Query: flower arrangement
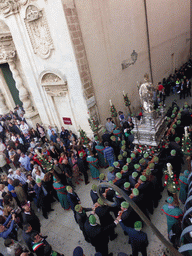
85,140
113,111
93,124
126,100
170,180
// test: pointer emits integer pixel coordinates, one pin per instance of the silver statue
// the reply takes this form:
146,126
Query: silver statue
146,92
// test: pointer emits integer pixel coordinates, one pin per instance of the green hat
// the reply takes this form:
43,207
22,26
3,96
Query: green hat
181,109
116,164
132,155
123,147
77,208
127,185
138,225
118,175
143,178
111,182
124,154
148,172
174,126
68,188
135,192
100,201
104,130
38,180
81,154
94,187
136,166
96,137
186,106
128,160
123,142
146,155
125,204
173,115
177,139
112,137
151,165
172,130
142,161
116,193
168,118
120,157
92,219
125,168
111,168
173,152
134,174
178,121
156,159
170,200
102,176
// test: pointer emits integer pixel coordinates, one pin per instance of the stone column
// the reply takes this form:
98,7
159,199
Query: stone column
3,106
23,92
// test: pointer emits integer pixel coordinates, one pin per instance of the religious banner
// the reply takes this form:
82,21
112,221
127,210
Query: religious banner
67,120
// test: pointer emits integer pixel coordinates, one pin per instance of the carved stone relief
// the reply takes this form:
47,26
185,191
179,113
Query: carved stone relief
54,85
7,48
8,7
38,31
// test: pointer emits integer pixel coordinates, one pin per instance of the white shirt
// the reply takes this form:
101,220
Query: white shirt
24,128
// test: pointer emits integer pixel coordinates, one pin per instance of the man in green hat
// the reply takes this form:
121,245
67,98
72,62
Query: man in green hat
173,213
111,173
125,172
81,217
99,148
117,166
133,179
93,166
127,188
137,238
98,235
119,181
93,193
115,144
83,167
105,218
121,161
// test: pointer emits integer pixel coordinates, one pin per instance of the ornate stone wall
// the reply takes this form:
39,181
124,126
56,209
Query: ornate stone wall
81,57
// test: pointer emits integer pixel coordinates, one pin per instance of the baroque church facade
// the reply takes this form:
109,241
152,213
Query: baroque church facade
65,59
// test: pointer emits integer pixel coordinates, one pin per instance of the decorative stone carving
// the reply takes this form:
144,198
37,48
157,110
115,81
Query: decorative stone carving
3,106
23,92
38,31
6,56
8,7
54,85
7,48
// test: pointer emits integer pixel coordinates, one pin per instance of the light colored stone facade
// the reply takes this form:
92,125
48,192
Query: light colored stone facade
66,55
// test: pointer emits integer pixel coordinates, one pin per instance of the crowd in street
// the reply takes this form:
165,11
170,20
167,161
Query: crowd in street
42,166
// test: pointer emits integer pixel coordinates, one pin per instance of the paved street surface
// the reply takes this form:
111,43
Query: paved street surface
64,234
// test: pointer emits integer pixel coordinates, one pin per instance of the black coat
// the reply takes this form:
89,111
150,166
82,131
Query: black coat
32,219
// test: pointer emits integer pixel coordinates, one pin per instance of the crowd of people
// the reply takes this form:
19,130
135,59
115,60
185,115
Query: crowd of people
39,167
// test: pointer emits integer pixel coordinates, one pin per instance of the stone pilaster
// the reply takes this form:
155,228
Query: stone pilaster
3,106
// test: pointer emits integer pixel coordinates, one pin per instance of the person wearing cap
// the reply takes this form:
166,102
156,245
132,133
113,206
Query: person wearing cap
93,193
143,164
108,154
127,188
119,181
137,238
42,198
98,235
82,167
72,197
105,218
61,192
120,161
116,164
93,165
137,168
146,157
81,217
179,129
173,213
99,150
183,186
111,173
115,144
133,179
130,165
29,216
125,172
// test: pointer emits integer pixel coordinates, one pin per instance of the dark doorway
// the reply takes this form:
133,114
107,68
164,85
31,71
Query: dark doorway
10,83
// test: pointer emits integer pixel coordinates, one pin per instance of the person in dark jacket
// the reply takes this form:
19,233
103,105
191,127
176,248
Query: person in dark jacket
40,246
72,198
26,234
137,238
93,193
97,235
83,167
29,216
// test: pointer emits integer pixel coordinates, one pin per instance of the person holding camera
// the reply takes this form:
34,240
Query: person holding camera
7,230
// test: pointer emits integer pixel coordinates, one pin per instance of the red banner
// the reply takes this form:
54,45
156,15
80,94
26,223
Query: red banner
67,120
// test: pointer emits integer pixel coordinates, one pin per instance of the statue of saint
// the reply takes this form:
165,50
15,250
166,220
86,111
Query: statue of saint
146,92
